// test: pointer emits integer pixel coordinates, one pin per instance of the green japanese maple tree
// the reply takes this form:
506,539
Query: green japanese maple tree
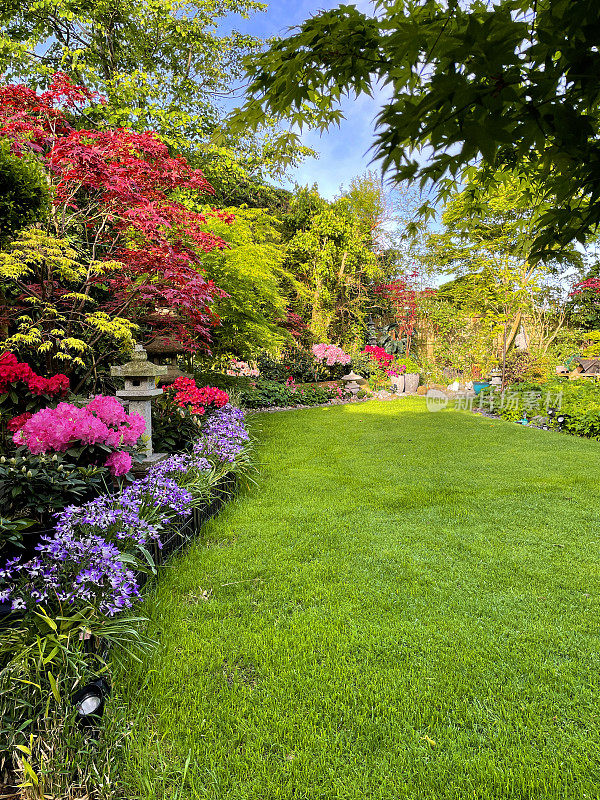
513,84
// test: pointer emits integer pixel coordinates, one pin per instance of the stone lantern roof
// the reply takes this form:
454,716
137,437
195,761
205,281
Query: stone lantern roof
139,374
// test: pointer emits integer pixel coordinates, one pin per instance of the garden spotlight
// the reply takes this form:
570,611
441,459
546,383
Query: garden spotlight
89,701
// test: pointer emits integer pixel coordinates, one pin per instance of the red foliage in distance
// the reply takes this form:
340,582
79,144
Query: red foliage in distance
404,299
591,284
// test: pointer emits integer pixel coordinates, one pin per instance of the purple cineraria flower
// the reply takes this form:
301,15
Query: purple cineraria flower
72,571
224,435
162,495
179,464
113,517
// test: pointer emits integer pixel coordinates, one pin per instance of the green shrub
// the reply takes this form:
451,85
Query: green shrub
273,394
37,486
221,380
294,363
522,366
363,364
23,193
574,406
410,364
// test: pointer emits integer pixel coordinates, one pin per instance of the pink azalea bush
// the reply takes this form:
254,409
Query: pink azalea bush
237,367
103,421
330,355
119,463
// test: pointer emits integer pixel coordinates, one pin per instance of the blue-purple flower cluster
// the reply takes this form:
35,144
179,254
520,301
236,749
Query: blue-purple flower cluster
73,571
82,564
162,495
225,435
113,517
180,463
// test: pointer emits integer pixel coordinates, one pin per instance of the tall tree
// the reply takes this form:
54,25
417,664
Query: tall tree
250,272
120,199
390,216
162,65
514,83
487,247
330,253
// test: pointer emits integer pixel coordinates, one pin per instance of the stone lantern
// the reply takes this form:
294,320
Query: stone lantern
140,389
496,378
165,349
353,382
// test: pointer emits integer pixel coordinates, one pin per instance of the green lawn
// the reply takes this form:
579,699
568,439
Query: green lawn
404,606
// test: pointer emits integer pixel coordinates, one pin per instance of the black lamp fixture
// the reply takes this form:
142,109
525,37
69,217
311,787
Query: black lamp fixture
89,702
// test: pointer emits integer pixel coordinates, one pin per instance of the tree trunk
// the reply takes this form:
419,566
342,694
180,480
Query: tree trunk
513,332
554,334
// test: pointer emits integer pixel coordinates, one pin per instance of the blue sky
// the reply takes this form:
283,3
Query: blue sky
343,151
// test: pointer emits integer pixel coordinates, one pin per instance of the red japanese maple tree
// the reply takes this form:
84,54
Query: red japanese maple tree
118,191
590,284
404,300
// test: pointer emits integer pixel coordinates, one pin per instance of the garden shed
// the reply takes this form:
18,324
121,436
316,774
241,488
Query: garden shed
586,368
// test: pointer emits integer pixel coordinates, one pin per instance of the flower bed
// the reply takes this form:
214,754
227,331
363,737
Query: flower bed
569,406
90,570
90,539
271,394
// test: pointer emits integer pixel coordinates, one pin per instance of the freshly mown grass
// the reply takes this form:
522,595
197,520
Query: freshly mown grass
404,606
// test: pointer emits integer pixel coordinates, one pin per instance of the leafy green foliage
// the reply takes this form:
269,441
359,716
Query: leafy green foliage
497,287
490,238
251,273
209,377
576,404
23,194
160,63
49,297
511,84
37,486
267,394
522,366
12,532
173,429
172,434
583,307
462,338
294,363
239,179
330,254
43,660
